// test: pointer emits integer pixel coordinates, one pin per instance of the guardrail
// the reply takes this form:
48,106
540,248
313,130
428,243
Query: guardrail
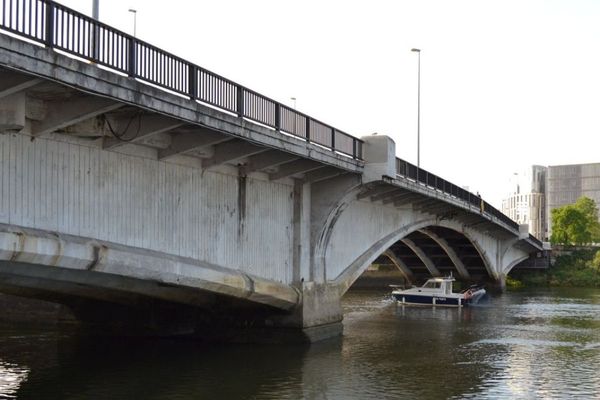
419,175
60,27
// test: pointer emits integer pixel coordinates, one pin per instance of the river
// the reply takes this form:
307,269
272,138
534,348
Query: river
532,344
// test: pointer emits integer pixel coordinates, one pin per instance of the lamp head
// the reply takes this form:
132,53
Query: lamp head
416,50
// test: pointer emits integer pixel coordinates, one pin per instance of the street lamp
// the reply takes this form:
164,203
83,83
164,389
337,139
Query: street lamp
418,51
96,9
134,12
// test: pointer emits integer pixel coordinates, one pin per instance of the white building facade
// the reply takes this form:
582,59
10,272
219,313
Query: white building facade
526,201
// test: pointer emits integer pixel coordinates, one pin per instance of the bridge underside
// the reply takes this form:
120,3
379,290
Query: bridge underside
105,304
435,251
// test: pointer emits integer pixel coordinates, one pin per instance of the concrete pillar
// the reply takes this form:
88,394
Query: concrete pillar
321,312
12,112
498,285
301,242
379,152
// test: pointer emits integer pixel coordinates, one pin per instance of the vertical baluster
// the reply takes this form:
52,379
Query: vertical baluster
131,66
49,24
193,86
29,18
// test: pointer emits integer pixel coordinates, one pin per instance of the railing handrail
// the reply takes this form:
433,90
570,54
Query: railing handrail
103,44
453,190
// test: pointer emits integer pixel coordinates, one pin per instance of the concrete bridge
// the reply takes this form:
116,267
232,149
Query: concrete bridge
144,191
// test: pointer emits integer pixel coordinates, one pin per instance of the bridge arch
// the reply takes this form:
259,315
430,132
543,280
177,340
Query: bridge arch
391,225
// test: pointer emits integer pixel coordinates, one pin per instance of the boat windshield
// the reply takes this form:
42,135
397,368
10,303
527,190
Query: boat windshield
432,285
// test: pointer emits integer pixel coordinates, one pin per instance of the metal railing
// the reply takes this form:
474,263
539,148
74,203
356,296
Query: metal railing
62,28
419,175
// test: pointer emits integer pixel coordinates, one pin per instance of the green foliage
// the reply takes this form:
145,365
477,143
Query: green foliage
596,261
578,269
576,224
575,270
513,283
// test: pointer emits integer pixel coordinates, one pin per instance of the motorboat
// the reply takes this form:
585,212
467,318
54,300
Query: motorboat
438,292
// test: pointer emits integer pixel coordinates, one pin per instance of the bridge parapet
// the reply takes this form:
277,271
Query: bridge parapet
58,27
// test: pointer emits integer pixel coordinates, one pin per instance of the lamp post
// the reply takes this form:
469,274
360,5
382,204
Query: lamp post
134,12
418,51
96,9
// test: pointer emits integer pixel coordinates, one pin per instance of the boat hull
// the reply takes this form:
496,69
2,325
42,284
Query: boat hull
457,300
429,300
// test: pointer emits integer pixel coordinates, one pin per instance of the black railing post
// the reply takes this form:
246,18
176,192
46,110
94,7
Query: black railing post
193,81
333,139
240,101
278,117
131,61
354,148
95,31
49,24
307,129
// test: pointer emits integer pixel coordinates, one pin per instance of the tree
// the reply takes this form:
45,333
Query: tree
576,223
596,261
589,209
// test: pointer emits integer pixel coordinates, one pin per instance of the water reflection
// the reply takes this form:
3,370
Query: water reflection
11,377
523,345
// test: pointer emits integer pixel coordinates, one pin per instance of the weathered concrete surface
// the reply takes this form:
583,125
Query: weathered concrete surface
36,254
80,222
59,184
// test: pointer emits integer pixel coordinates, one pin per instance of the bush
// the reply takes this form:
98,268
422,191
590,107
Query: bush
578,269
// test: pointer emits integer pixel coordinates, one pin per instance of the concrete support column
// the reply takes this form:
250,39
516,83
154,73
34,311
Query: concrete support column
321,311
12,112
301,233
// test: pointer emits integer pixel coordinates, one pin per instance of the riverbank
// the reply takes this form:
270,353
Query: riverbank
577,268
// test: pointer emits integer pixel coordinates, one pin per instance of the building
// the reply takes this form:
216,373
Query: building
537,191
567,183
526,203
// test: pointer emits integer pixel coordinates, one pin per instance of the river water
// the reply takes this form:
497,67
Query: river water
525,345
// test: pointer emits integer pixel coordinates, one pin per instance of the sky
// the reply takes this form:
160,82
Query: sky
504,84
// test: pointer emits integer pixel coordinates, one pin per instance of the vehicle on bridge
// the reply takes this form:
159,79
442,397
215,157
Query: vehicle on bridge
438,292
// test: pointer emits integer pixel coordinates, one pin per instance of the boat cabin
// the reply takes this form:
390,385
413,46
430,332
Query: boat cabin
437,285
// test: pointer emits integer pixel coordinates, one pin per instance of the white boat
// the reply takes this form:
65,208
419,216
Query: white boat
438,292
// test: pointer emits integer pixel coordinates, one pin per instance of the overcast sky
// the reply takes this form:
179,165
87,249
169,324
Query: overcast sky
504,84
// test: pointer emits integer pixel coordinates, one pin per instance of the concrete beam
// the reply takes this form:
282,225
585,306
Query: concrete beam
375,190
386,195
424,203
322,174
134,131
14,83
231,151
440,208
469,219
268,159
96,262
60,114
422,256
16,54
460,266
295,167
401,265
402,198
186,142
